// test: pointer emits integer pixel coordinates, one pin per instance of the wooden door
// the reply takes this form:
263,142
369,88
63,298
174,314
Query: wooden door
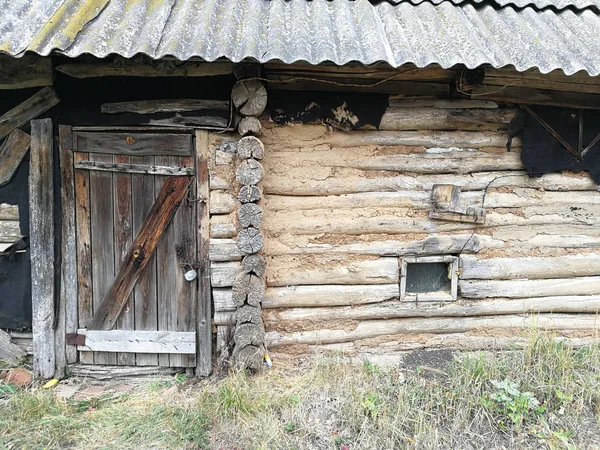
118,181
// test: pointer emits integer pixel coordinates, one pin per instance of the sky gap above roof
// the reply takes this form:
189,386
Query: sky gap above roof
317,31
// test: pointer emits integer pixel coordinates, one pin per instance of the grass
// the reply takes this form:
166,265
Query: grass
546,396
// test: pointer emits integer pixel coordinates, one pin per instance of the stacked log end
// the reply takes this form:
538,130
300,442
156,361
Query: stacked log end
250,98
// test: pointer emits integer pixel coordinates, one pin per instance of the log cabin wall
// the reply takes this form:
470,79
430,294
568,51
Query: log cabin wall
342,210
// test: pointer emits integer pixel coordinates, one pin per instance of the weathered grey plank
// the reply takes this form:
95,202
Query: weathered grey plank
135,168
9,352
204,326
134,69
134,144
41,230
157,106
85,308
123,240
12,151
174,342
35,105
10,231
103,245
142,197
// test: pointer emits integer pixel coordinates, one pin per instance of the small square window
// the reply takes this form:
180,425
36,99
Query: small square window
429,278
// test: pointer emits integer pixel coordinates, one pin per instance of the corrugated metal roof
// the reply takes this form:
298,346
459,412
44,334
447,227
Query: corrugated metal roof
538,4
339,31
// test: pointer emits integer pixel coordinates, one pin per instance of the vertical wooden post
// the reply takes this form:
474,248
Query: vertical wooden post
41,231
204,316
68,317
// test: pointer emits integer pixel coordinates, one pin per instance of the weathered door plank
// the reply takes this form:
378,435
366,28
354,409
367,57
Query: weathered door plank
103,246
146,314
184,225
84,250
143,247
134,144
123,240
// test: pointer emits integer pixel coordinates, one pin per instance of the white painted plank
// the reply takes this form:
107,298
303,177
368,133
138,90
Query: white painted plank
137,341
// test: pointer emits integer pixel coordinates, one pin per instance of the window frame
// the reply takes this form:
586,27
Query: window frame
452,261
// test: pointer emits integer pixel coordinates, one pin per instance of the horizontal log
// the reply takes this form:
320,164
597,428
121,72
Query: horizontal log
223,300
333,295
521,197
529,267
403,245
405,119
224,250
136,341
133,144
294,83
222,274
403,102
533,78
223,226
589,304
161,68
135,168
432,72
393,351
572,241
9,212
223,202
312,136
337,269
314,270
337,183
10,231
529,288
402,220
454,161
26,71
158,106
435,325
535,96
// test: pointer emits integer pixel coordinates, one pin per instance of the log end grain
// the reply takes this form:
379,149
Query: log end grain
254,264
249,172
249,193
249,357
250,240
250,147
249,126
249,97
249,215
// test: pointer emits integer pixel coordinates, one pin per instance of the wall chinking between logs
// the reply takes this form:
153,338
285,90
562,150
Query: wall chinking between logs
340,210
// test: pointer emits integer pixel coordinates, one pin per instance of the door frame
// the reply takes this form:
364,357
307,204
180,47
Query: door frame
68,301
